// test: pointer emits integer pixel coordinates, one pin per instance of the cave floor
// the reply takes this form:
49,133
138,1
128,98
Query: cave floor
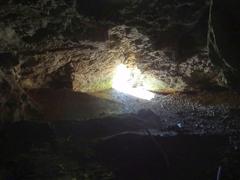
108,135
193,113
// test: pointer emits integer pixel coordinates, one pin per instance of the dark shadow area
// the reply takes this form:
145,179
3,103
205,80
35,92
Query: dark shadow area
102,10
31,150
138,157
65,104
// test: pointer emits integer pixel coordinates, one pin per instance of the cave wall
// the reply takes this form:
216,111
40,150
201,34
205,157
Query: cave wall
15,104
224,39
71,43
178,45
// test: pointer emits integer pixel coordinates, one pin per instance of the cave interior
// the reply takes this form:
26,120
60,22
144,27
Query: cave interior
119,89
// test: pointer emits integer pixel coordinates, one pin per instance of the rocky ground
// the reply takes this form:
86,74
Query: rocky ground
196,113
109,135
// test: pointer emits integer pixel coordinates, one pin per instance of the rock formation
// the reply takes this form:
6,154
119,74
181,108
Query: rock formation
78,44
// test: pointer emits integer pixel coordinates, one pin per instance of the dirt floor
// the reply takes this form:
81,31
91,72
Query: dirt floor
109,135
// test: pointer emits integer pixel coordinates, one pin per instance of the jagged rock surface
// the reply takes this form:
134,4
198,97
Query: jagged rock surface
224,38
60,45
77,44
15,104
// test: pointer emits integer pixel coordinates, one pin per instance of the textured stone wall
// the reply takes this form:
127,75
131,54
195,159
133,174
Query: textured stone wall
78,44
224,39
15,104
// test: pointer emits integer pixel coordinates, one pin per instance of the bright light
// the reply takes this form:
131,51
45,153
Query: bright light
129,81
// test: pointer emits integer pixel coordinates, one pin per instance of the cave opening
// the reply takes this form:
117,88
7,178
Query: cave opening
119,89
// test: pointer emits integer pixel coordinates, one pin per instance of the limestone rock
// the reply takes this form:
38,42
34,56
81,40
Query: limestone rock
66,44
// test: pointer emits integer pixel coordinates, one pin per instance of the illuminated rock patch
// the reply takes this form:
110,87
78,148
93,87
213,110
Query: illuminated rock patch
129,81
